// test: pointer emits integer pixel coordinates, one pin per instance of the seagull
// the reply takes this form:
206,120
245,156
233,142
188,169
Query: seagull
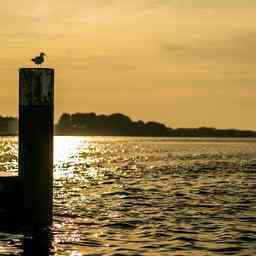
38,60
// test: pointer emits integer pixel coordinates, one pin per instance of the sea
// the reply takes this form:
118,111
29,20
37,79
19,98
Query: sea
134,196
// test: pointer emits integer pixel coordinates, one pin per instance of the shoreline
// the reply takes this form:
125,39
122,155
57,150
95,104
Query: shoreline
140,136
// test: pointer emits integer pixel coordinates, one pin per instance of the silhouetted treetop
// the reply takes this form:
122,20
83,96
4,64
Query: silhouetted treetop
122,125
8,125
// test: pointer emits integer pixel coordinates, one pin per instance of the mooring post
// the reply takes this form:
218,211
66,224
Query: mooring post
36,93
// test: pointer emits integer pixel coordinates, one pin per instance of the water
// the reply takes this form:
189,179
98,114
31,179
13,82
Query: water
148,196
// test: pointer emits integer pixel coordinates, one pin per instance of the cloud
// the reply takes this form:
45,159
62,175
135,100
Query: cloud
173,47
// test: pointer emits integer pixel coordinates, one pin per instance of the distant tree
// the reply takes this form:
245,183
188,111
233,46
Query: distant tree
64,121
8,124
155,129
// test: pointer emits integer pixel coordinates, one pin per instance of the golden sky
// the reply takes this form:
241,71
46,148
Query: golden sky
185,63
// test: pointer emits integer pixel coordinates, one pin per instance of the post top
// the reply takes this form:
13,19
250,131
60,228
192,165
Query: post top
36,69
36,86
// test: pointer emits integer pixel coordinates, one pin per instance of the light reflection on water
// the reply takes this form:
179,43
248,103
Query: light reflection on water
8,154
66,155
144,196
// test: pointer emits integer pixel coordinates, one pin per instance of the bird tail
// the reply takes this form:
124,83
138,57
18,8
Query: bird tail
32,59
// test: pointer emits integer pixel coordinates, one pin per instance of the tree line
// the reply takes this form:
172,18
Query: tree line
8,125
121,125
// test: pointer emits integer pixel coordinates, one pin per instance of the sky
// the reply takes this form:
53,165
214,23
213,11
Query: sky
185,63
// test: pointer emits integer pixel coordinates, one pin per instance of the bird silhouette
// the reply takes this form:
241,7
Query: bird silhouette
38,60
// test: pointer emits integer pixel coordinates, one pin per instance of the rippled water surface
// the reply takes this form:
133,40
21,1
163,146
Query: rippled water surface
148,196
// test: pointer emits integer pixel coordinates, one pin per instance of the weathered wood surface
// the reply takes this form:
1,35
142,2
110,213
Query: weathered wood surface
36,143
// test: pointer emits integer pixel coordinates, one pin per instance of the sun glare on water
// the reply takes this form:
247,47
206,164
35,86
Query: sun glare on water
67,147
66,150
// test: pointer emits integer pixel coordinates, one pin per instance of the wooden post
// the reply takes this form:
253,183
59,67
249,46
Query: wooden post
36,90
